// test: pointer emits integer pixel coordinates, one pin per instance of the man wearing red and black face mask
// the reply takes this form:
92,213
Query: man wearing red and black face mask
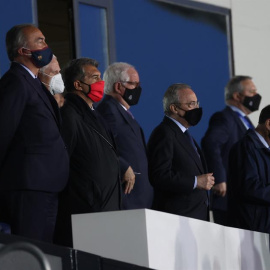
94,183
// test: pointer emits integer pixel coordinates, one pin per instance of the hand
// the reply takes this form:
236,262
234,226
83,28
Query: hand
220,189
129,179
205,181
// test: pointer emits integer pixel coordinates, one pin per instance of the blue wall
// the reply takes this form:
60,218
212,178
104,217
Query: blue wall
12,12
167,46
93,36
165,43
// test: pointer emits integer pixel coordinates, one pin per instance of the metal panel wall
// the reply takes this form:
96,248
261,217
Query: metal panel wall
169,43
13,12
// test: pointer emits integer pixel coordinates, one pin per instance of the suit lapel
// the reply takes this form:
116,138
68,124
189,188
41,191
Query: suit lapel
131,122
186,144
203,161
237,119
181,138
36,85
40,89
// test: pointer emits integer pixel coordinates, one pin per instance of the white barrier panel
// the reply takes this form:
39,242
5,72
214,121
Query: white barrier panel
164,241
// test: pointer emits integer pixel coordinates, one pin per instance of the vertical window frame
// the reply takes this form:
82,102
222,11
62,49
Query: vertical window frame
106,4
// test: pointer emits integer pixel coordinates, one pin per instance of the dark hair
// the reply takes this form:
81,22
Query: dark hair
75,71
264,115
15,39
235,85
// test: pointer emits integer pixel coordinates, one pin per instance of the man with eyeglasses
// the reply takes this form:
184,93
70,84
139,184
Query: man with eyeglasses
177,169
122,90
225,129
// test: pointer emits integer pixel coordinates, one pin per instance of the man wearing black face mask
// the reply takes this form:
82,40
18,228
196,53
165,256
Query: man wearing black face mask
226,128
177,169
122,89
33,157
249,178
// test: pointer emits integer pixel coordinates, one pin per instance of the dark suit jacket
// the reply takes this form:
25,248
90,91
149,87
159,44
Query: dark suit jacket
173,165
225,129
94,181
32,153
131,146
249,184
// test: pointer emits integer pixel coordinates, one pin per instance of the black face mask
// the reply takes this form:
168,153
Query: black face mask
252,103
193,116
132,96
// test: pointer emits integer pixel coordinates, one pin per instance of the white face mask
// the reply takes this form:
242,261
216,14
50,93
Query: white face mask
56,85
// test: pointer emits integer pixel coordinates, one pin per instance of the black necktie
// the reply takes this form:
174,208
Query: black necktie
38,82
191,141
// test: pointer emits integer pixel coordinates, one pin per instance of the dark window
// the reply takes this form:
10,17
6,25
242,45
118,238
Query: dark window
55,20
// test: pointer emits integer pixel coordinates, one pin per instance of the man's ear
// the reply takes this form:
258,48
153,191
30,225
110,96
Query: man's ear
267,124
173,108
117,88
236,96
21,51
77,85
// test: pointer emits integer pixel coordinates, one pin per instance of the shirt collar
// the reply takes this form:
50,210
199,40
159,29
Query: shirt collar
235,109
262,139
30,72
178,124
123,106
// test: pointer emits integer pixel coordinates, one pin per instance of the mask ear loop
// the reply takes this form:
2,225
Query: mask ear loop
29,54
45,74
52,83
89,87
50,89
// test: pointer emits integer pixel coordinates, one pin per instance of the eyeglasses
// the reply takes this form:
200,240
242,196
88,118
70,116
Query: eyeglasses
191,104
136,84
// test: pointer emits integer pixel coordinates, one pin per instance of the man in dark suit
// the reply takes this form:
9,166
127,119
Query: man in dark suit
177,169
122,89
249,178
33,157
226,128
94,180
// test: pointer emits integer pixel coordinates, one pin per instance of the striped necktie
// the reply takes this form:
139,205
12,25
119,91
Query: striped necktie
130,113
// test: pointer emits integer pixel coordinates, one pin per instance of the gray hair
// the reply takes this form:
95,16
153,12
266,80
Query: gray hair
15,39
114,73
75,71
235,85
171,96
